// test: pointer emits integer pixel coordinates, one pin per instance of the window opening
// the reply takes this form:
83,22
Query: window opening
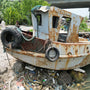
39,19
65,24
64,29
55,21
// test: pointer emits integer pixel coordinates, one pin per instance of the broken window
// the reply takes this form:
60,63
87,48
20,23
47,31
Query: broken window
55,21
65,24
39,19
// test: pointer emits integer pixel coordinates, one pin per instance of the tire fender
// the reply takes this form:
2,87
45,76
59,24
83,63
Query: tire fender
55,54
11,37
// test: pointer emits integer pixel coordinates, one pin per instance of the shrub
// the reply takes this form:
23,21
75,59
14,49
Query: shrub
11,15
83,25
21,11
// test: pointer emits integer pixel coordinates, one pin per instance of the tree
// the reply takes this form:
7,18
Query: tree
0,4
27,5
21,11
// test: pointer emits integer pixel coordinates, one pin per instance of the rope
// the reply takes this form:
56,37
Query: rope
8,59
18,29
43,47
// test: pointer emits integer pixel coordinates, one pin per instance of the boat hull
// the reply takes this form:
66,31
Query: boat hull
39,60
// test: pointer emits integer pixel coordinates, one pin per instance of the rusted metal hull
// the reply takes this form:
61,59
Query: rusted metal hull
65,62
71,55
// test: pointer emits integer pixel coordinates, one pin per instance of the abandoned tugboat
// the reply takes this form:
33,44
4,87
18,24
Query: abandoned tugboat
48,46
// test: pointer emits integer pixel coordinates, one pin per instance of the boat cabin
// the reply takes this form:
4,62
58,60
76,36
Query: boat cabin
56,24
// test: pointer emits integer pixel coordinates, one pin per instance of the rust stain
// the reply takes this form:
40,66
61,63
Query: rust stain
76,52
66,13
46,62
57,12
84,62
87,49
69,53
83,39
27,53
56,64
42,62
73,36
67,62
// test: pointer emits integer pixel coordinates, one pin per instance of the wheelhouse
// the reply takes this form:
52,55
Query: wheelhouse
50,22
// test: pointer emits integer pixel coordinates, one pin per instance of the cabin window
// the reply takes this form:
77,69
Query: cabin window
55,21
65,23
64,29
39,19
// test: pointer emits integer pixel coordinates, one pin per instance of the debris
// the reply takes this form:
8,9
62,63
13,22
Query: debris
2,24
78,85
78,76
46,79
18,67
57,87
34,78
3,70
32,68
1,89
21,88
64,78
31,89
79,70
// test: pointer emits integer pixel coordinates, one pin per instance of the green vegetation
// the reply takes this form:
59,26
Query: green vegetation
18,11
83,26
31,30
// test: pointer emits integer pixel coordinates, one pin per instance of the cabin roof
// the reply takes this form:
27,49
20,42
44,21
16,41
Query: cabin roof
43,8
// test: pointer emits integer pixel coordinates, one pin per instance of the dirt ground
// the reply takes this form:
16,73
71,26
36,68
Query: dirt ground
6,71
9,78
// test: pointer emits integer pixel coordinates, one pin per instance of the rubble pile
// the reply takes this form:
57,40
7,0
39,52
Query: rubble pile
27,77
51,79
35,78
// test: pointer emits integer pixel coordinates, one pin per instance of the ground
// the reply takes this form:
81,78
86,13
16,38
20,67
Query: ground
9,74
10,77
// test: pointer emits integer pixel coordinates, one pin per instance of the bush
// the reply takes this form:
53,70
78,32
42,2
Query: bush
11,15
27,5
83,26
19,11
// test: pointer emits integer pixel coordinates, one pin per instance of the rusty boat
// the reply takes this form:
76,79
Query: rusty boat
54,42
